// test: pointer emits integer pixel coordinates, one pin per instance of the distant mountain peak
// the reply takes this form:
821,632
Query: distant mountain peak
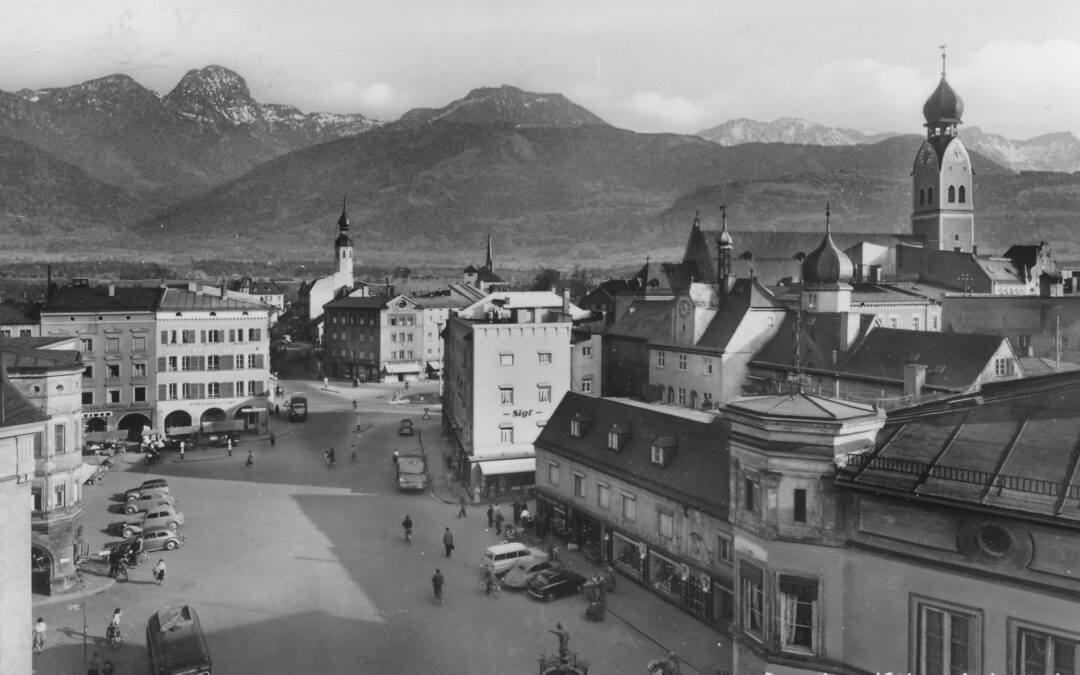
101,93
214,93
506,104
785,130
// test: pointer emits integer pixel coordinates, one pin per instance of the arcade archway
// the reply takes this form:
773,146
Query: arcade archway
96,424
177,418
41,565
133,424
213,415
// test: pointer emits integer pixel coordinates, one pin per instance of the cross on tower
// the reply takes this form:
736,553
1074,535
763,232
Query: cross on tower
942,48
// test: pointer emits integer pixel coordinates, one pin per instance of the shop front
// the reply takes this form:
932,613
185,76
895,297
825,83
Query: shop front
588,534
628,555
499,477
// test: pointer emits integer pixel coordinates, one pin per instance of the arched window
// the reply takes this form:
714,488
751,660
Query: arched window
963,194
922,196
952,194
929,195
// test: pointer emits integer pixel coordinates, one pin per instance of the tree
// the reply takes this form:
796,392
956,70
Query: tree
546,279
580,283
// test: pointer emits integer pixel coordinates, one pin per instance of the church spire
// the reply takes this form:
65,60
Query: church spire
343,221
488,262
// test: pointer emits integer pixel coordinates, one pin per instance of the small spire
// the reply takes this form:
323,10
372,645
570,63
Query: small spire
343,221
488,262
828,226
697,220
723,215
942,48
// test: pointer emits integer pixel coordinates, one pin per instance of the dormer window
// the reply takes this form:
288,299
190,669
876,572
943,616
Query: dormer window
579,425
662,449
618,436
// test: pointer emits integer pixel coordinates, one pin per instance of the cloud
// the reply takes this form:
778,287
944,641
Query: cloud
676,111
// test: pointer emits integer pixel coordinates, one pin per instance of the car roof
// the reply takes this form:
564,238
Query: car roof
155,530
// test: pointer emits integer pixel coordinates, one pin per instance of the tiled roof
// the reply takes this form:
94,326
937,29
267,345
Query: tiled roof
643,320
886,293
20,355
1013,447
802,406
16,409
697,473
1035,365
178,300
953,360
363,302
82,299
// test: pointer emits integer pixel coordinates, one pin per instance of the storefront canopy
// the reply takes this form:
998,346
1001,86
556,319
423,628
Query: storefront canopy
402,368
498,467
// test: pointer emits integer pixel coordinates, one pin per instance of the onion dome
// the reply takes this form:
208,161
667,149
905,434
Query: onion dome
943,106
725,240
343,228
827,264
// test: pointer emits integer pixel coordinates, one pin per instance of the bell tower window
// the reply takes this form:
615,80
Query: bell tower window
952,194
922,196
929,195
963,195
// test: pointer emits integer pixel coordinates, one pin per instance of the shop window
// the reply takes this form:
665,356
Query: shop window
666,575
629,555
798,613
948,639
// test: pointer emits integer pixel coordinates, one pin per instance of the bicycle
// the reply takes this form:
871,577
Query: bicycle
113,637
489,583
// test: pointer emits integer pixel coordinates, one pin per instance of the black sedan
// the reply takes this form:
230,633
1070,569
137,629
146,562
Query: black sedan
555,583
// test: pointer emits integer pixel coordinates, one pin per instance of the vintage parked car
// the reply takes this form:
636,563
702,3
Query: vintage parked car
222,440
153,484
555,583
522,573
157,538
405,429
149,500
165,516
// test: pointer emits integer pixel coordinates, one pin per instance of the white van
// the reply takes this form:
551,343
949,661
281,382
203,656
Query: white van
503,557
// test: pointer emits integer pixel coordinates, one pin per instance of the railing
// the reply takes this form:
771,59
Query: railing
983,479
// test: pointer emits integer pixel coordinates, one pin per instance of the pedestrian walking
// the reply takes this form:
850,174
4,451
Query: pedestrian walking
39,634
461,507
277,409
181,450
499,518
448,541
250,459
273,439
517,511
476,494
491,515
159,572
526,518
436,585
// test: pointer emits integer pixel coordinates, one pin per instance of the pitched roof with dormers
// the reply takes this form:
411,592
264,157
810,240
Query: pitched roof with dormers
1013,447
696,473
179,300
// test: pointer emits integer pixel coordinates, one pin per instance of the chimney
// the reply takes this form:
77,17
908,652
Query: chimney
566,301
914,380
112,290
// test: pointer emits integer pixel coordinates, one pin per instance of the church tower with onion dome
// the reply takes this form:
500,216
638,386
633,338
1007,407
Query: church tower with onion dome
343,250
827,273
942,210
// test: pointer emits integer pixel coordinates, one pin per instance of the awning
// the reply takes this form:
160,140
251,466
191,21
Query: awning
434,365
402,367
498,467
84,471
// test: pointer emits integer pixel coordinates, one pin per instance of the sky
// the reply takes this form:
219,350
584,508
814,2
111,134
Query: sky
671,66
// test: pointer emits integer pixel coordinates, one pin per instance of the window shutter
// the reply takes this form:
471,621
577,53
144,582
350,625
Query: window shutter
257,334
161,392
232,335
226,389
202,336
200,390
258,387
227,362
161,364
200,364
258,360
164,337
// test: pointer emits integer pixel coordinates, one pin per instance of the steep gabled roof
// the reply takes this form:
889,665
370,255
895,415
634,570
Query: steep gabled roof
643,320
745,296
695,475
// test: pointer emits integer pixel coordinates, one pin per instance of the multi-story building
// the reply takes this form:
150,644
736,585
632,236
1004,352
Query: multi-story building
213,361
23,429
115,328
315,294
643,487
507,364
265,291
47,372
375,339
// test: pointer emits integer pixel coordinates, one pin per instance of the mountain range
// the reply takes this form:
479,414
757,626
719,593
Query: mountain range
109,168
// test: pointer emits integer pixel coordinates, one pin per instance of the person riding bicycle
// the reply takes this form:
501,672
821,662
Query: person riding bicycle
407,526
112,632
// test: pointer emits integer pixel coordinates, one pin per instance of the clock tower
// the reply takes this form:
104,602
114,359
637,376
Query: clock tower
942,210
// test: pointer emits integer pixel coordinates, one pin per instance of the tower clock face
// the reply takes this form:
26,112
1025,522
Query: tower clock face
684,308
926,157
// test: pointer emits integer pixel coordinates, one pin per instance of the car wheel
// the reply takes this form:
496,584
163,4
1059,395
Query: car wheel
129,509
548,596
173,525
170,545
127,533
